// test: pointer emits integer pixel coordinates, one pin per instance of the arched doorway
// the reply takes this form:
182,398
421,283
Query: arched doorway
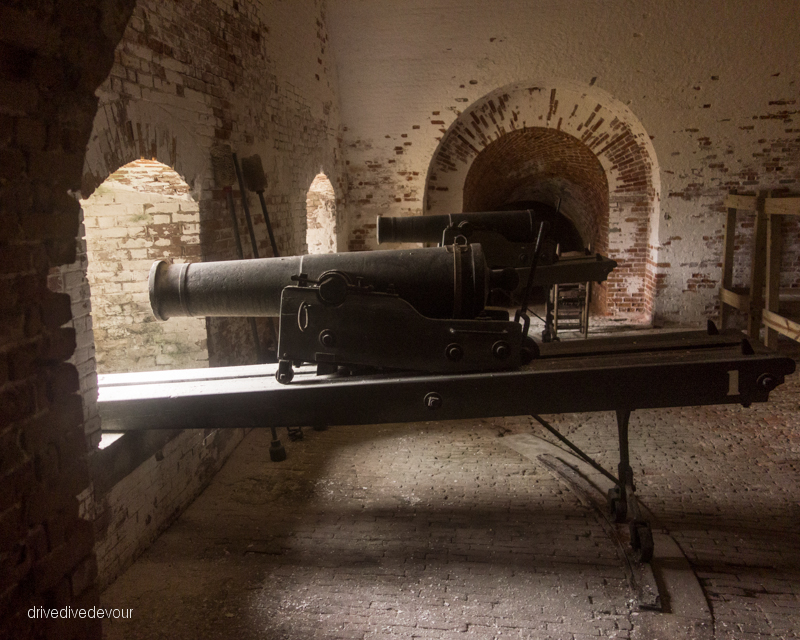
141,213
321,216
555,139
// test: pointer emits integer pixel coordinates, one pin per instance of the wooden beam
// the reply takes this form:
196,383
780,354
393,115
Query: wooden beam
781,324
773,276
790,294
758,269
748,203
782,206
727,263
727,248
740,301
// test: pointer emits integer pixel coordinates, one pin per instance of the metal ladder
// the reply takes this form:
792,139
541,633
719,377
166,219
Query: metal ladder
568,305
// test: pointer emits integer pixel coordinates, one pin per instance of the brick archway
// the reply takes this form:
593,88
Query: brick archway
553,138
542,165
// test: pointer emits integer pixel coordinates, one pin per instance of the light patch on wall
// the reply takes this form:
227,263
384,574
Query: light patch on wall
633,285
108,438
321,216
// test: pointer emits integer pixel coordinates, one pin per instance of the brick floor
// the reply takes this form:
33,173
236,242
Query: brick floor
437,530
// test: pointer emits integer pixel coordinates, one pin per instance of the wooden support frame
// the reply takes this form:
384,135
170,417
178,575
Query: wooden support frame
749,300
774,322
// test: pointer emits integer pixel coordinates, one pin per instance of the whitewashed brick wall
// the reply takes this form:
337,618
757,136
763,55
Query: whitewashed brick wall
141,213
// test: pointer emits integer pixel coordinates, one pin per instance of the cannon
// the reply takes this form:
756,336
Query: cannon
414,309
507,241
507,237
518,226
410,338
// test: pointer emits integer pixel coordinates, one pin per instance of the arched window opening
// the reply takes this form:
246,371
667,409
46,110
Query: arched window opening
321,216
142,212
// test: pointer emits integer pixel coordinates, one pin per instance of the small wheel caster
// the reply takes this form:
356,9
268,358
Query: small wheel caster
642,540
284,374
277,453
617,507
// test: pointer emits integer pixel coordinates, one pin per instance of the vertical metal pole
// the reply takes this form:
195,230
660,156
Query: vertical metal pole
624,471
272,242
554,292
727,265
240,253
232,211
246,207
555,311
586,303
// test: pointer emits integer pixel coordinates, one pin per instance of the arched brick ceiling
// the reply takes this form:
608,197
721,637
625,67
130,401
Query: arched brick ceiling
542,165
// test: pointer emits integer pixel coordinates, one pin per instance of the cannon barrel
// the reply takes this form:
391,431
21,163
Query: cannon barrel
439,282
516,226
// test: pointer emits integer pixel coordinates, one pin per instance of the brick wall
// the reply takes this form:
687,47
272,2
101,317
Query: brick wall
668,248
71,279
529,132
132,513
183,78
544,165
716,101
54,55
186,78
770,166
258,76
